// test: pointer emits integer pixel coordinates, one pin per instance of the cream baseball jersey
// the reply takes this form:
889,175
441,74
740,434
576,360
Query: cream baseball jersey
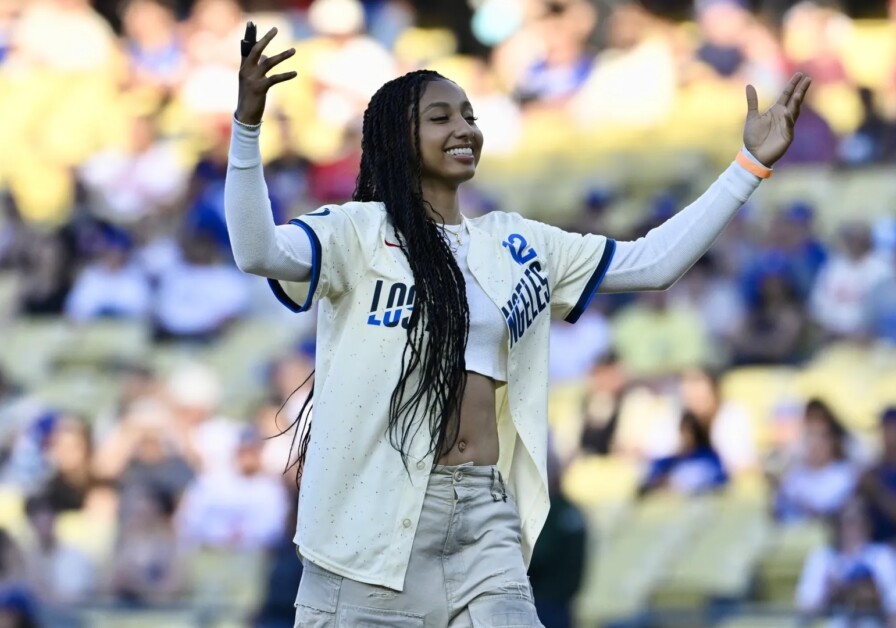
359,507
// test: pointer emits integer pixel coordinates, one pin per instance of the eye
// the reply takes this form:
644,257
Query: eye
440,119
471,119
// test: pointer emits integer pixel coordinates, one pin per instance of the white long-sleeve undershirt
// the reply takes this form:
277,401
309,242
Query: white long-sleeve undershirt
653,262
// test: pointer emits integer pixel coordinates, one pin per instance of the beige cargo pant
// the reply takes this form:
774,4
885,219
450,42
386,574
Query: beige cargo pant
466,568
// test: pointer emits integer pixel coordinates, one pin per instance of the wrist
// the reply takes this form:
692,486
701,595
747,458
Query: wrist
752,164
246,120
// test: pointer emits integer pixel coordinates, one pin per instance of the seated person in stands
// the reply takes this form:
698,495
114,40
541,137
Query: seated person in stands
878,484
851,578
696,468
148,567
607,384
821,479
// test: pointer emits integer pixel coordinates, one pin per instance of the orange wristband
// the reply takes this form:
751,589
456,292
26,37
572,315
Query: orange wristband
751,166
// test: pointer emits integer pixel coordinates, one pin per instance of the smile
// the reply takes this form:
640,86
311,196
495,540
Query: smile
463,153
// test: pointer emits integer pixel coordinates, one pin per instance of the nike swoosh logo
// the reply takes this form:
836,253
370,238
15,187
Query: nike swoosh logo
323,212
397,246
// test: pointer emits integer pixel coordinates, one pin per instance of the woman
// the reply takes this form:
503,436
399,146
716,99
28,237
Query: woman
695,468
428,323
852,579
822,480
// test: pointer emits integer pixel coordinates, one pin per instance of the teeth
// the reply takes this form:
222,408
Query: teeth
467,152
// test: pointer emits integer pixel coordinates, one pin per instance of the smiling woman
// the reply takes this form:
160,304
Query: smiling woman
423,475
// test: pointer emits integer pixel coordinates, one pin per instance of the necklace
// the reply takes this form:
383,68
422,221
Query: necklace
457,238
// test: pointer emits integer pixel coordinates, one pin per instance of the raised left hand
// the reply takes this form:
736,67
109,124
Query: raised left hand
767,136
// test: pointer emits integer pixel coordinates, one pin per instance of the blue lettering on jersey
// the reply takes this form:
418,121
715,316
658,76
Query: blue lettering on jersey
399,303
530,297
517,244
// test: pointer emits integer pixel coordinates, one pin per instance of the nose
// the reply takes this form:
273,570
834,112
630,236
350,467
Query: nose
464,131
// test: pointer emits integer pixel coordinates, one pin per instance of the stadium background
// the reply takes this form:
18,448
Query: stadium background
141,372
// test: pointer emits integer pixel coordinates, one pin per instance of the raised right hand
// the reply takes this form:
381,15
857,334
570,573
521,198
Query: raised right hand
254,82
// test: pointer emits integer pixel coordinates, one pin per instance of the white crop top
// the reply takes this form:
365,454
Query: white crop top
487,340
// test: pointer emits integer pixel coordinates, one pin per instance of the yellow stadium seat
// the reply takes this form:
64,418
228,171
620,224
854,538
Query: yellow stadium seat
85,392
102,342
719,560
12,512
759,390
630,561
233,578
782,562
869,52
600,480
30,347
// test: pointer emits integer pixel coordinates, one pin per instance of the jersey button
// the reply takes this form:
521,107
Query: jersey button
420,465
406,523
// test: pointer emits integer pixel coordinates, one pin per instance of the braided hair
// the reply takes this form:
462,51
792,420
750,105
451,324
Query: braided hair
433,373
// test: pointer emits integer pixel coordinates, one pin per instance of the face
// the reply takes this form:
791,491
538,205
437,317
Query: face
450,141
699,394
820,446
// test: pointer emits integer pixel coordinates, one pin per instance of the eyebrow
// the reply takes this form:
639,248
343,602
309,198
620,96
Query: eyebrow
442,103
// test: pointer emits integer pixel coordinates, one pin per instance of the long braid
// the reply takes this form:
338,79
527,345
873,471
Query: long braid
433,373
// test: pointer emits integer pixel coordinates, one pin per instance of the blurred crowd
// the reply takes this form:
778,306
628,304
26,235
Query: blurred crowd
116,122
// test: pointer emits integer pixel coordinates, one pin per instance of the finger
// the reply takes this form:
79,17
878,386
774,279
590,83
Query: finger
752,101
796,102
258,48
788,91
281,78
267,64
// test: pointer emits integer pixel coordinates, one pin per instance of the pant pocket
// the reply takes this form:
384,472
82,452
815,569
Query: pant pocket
365,617
317,598
505,609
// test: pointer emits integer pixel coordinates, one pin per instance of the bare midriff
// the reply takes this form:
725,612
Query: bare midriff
477,440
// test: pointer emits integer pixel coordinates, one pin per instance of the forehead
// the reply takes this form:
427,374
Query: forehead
443,91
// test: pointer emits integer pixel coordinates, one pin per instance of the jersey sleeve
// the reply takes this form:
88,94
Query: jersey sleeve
337,259
576,266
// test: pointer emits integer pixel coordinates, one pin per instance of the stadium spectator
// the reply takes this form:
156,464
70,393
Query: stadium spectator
724,26
574,349
559,558
276,431
695,468
875,139
205,439
143,177
153,44
141,454
18,608
46,276
727,422
852,579
844,283
63,35
879,311
821,479
148,567
244,509
708,289
61,575
639,44
810,34
198,297
775,329
878,484
277,608
562,61
112,285
602,404
69,453
655,338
